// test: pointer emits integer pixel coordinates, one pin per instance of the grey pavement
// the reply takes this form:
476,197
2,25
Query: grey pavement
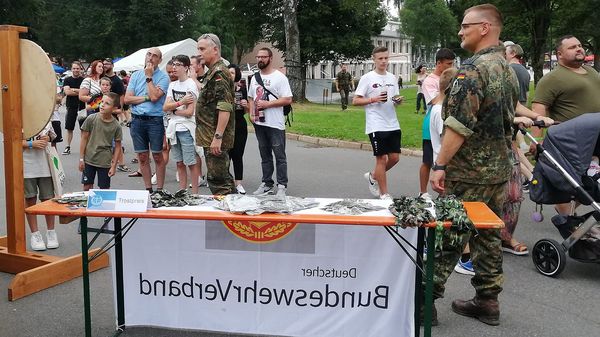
531,304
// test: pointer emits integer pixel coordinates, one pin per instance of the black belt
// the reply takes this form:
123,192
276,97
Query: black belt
145,118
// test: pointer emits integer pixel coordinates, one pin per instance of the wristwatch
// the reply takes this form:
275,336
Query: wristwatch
437,167
148,79
218,135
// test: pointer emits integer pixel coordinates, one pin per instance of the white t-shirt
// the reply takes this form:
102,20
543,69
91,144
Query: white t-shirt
278,84
35,162
176,91
431,87
436,126
379,116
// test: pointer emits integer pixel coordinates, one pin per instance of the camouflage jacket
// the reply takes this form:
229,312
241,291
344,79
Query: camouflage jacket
216,95
344,80
480,106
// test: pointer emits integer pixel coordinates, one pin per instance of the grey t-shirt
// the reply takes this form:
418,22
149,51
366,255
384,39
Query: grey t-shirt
98,151
524,79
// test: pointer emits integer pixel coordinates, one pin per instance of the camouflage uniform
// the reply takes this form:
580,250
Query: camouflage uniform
480,106
216,95
344,81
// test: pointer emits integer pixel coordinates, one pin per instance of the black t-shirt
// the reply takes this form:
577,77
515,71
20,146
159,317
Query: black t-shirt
73,101
116,85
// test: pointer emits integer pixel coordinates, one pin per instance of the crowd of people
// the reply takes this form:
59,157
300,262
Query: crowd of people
197,109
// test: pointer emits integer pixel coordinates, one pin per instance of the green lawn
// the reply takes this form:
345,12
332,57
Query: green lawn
329,121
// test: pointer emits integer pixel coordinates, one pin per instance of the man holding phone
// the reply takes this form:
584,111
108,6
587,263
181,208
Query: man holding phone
378,92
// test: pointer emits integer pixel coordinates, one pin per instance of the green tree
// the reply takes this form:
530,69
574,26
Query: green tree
235,22
330,30
430,23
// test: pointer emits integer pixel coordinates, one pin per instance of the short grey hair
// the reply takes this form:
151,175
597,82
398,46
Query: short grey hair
213,38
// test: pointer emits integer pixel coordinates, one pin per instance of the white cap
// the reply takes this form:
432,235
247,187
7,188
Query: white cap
508,43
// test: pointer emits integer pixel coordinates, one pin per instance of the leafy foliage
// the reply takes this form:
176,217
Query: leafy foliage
429,23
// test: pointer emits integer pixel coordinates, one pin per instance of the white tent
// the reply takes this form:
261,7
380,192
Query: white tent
135,61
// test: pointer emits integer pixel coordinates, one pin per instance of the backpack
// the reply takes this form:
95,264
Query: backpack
287,109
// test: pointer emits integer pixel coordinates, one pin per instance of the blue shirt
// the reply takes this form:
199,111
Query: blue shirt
426,131
139,87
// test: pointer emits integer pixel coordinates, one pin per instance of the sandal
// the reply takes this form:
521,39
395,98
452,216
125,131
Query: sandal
134,161
123,168
519,249
135,174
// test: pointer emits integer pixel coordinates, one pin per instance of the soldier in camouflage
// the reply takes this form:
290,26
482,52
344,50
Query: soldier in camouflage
215,120
474,161
344,84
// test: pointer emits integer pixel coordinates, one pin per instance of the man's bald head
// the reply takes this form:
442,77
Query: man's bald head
488,13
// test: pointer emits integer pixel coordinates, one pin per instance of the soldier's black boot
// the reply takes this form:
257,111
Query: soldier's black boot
485,310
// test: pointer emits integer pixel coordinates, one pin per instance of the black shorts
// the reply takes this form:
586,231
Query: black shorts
71,118
384,142
427,152
58,130
89,175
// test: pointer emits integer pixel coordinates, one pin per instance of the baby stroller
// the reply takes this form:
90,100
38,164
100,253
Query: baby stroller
561,176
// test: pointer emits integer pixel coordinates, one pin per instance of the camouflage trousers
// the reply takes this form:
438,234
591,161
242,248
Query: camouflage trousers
344,92
485,245
218,177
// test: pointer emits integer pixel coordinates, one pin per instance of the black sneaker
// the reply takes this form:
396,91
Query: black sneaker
67,151
525,186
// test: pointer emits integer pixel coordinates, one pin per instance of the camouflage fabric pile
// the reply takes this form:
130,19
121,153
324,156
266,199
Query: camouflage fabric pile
178,199
413,212
79,200
351,207
254,205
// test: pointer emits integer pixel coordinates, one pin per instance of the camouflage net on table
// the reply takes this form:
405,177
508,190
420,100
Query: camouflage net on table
413,212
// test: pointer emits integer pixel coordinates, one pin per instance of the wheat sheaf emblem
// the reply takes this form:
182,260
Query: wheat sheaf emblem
259,231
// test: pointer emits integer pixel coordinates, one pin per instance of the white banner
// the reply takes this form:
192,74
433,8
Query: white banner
268,278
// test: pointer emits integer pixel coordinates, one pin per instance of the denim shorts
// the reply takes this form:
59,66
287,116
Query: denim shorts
185,149
147,130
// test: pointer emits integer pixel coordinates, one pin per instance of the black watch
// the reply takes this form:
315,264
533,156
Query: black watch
437,167
218,135
148,79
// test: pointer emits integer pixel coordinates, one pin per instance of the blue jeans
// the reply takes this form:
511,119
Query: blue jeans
271,142
147,130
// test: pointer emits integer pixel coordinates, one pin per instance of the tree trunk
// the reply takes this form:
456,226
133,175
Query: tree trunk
293,63
540,13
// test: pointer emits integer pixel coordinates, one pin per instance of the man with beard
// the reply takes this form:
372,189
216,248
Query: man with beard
570,90
116,85
215,119
265,103
71,88
146,94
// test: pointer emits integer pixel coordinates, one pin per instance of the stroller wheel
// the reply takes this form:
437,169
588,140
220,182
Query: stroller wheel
537,217
549,257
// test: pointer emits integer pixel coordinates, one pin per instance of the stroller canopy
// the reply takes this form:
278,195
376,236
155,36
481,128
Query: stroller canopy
572,144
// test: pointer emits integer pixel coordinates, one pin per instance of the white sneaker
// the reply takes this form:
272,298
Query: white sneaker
202,181
240,189
281,190
263,189
425,196
153,180
386,197
52,239
176,176
37,242
373,184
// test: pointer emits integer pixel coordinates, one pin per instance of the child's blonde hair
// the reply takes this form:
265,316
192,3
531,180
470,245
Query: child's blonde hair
446,78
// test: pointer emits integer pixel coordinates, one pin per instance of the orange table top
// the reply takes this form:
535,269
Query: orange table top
478,212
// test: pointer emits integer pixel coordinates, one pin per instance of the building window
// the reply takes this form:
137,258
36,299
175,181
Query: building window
323,73
394,49
387,44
